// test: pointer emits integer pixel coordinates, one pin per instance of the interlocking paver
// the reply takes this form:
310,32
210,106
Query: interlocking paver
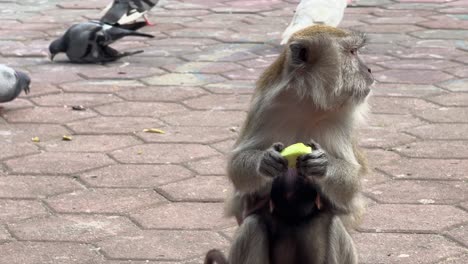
194,81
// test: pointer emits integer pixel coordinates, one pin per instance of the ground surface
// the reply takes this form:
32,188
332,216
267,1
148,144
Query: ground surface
115,193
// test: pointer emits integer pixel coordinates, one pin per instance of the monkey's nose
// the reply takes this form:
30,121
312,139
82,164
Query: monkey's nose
369,70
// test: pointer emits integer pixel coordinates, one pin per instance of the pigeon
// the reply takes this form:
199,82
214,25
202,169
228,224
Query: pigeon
12,83
127,11
315,12
88,42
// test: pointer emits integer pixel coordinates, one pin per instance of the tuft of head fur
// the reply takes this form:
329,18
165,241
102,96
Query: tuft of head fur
316,30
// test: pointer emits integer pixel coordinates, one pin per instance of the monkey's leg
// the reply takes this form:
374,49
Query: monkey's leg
250,245
341,245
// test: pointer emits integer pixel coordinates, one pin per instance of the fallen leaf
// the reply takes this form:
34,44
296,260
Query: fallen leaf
67,138
35,139
78,108
154,130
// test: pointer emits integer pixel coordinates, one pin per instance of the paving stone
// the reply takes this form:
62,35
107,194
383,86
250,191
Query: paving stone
211,166
442,169
111,201
380,157
441,34
63,77
183,79
440,131
445,114
16,104
198,189
425,53
224,146
405,90
121,72
220,102
232,87
373,178
178,134
424,192
71,99
12,133
460,233
163,153
459,71
404,248
162,244
100,86
58,163
456,85
435,149
377,137
392,105
161,93
35,186
4,235
48,253
418,64
88,143
411,76
140,109
203,67
206,118
411,218
56,115
135,176
460,259
113,125
393,122
10,150
15,210
174,215
80,228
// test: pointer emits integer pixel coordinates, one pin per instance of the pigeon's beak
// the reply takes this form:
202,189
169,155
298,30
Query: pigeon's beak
23,81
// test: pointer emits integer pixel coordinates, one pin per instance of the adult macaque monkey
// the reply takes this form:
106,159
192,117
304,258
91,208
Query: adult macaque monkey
314,92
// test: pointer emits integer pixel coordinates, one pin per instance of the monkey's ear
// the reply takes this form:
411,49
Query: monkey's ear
299,53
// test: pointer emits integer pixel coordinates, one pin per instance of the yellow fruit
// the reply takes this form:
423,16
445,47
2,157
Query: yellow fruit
293,151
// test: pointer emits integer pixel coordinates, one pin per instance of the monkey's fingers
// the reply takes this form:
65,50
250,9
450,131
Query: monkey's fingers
278,146
314,145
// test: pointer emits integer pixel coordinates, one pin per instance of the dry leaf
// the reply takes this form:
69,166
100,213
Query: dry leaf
78,108
67,138
35,139
154,130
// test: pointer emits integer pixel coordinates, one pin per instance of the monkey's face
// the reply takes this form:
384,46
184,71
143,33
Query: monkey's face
323,63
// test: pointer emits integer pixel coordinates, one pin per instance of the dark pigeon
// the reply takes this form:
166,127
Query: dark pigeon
12,83
88,42
126,11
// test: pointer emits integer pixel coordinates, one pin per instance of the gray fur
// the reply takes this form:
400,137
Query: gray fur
12,83
88,42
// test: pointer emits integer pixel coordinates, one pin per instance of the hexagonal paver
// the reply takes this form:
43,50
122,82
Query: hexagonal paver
405,90
163,153
89,143
441,34
203,67
452,99
133,72
460,259
424,192
15,210
58,163
162,244
206,118
211,166
393,122
198,189
57,115
435,149
417,64
404,248
373,178
383,138
232,87
395,105
456,85
411,76
81,228
220,102
179,134
25,132
444,114
4,235
224,146
174,216
441,131
35,186
137,109
183,79
161,93
460,233
409,217
48,252
111,200
71,99
100,86
411,169
135,176
113,125
10,150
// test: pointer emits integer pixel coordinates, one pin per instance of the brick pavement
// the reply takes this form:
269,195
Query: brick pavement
118,195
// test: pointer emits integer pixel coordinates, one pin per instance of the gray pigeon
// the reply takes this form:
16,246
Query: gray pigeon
88,42
126,11
12,83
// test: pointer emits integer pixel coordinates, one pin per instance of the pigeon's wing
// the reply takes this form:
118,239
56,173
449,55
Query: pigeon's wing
82,40
7,83
313,12
113,33
117,9
137,8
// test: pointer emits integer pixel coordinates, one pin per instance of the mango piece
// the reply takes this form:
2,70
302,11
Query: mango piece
292,152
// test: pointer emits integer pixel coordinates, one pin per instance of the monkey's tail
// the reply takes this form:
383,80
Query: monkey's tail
215,256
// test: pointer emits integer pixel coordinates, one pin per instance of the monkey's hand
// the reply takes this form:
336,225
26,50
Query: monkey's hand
272,164
313,164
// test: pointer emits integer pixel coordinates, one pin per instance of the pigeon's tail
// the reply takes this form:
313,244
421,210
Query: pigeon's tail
116,33
133,26
129,53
